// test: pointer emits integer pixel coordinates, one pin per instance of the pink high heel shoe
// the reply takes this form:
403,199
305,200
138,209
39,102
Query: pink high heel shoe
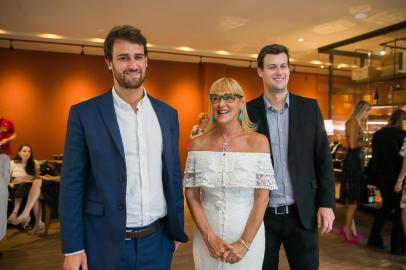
358,236
349,241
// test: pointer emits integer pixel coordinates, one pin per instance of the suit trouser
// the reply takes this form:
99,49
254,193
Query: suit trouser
390,201
301,245
152,252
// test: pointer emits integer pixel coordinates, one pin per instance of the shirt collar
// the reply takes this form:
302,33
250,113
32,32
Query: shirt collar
120,103
268,105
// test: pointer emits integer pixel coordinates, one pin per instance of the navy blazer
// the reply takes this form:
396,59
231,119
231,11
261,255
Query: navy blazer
309,159
93,181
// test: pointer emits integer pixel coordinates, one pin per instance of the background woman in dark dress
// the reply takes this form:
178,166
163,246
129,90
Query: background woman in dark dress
351,181
384,167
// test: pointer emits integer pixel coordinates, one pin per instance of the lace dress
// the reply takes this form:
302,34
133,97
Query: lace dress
227,181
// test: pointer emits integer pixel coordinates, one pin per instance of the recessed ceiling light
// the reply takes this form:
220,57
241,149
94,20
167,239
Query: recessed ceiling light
361,15
185,49
222,52
253,55
291,59
51,36
321,66
300,39
339,67
316,62
343,65
149,45
2,31
98,40
382,52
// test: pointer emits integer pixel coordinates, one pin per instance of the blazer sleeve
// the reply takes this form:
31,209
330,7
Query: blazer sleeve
73,182
324,164
177,175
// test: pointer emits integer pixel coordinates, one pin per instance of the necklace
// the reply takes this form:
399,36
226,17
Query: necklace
226,143
223,148
226,140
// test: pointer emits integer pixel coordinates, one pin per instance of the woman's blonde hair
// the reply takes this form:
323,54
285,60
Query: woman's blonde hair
360,109
230,85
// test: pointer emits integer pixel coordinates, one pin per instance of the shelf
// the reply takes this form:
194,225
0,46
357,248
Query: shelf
387,106
382,79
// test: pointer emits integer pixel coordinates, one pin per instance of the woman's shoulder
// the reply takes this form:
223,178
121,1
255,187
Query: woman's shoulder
258,142
13,163
351,121
200,142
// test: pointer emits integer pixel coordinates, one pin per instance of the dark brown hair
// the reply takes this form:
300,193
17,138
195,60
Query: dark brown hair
397,118
30,166
124,32
271,49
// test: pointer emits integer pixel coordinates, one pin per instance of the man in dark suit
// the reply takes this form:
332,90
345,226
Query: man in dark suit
384,167
304,200
121,200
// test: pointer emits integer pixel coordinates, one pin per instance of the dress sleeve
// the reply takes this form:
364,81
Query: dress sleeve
265,178
190,172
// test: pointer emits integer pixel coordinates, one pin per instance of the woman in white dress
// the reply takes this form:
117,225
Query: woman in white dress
228,177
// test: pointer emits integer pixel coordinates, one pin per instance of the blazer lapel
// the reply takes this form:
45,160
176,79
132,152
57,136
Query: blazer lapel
291,135
165,128
260,115
106,107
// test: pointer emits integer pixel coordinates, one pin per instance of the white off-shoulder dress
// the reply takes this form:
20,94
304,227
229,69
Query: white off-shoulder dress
227,181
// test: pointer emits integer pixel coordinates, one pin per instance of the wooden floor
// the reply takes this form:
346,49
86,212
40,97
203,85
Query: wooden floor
22,251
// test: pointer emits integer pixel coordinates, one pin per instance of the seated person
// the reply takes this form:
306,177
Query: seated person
50,187
25,182
200,128
46,185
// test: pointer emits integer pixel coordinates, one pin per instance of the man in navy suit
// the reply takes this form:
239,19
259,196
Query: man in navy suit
121,200
302,163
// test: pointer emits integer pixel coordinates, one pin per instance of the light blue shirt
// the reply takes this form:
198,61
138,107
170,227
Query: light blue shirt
278,123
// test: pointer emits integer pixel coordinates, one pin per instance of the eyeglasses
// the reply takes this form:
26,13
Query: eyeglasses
227,97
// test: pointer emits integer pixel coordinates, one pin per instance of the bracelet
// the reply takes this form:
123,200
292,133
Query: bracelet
243,243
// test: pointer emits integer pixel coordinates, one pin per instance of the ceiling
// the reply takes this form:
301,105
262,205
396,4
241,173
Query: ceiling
236,28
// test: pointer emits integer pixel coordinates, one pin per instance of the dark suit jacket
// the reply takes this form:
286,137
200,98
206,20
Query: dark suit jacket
386,161
93,181
309,158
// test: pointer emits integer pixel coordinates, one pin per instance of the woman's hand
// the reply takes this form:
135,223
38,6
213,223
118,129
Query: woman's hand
217,246
238,252
398,186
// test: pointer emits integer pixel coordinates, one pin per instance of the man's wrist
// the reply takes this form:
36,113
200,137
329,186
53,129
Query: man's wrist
74,253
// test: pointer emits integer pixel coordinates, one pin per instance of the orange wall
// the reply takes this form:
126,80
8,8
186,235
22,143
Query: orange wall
37,89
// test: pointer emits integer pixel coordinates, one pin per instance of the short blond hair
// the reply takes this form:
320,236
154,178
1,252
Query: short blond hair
230,85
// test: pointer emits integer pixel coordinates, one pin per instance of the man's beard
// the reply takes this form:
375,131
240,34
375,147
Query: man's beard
128,83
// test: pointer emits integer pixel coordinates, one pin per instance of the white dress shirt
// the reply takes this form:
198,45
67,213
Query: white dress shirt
142,140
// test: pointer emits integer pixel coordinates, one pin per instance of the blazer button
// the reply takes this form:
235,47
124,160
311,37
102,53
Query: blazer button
120,206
